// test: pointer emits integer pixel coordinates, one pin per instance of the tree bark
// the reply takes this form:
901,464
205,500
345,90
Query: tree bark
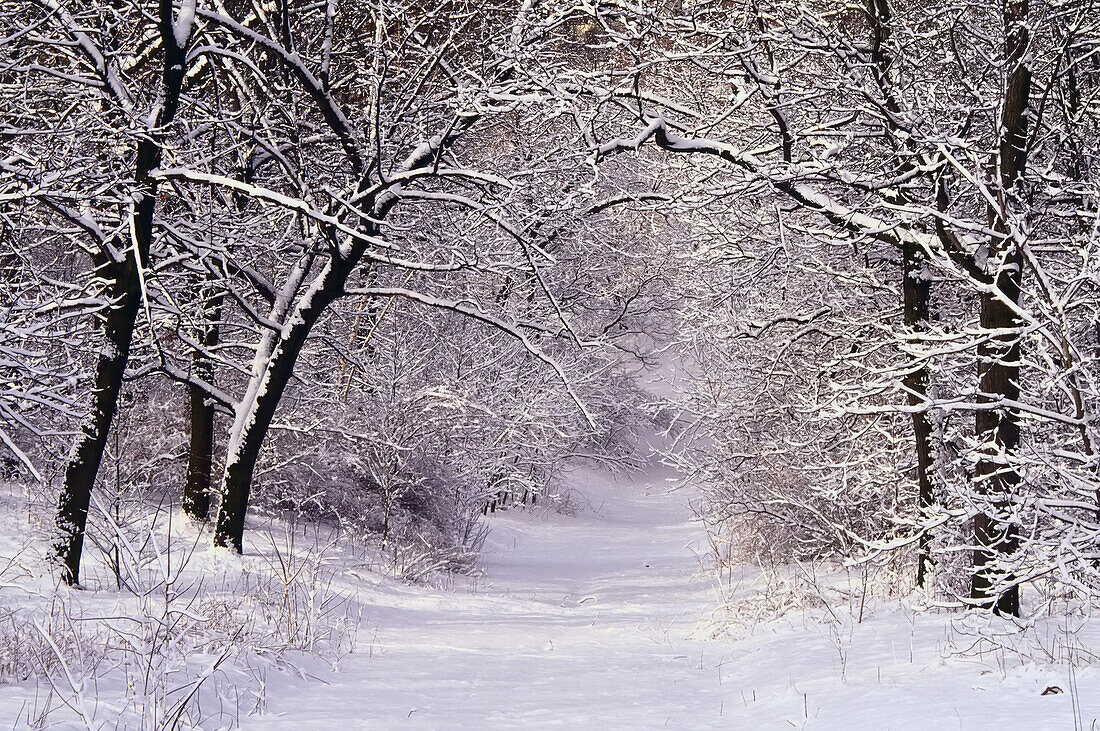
200,458
996,535
125,289
916,293
87,454
265,389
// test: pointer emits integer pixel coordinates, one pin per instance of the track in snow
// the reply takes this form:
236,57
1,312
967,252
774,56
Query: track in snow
581,620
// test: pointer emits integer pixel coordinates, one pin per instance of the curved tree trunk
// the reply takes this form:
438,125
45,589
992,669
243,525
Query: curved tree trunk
277,355
83,465
274,366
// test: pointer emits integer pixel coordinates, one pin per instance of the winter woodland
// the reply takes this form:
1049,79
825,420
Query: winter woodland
320,314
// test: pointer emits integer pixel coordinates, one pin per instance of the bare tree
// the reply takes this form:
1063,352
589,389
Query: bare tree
383,182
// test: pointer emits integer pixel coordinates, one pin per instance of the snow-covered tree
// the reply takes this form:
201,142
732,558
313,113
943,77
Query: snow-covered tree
878,122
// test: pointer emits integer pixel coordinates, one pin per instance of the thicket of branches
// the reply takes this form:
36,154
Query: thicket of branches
398,255
897,346
353,240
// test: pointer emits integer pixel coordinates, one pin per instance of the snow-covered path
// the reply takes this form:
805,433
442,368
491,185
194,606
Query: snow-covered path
598,621
581,620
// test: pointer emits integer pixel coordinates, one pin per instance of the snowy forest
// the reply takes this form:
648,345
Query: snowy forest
313,311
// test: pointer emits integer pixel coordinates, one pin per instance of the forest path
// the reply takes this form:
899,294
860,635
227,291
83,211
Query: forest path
598,620
581,620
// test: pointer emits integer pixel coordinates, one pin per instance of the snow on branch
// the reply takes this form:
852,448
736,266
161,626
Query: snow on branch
474,310
313,86
266,195
107,71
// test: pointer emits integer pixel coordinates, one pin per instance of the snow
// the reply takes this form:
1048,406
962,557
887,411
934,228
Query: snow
186,19
577,620
609,618
604,620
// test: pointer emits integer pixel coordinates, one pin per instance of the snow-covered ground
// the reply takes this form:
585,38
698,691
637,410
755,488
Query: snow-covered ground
607,618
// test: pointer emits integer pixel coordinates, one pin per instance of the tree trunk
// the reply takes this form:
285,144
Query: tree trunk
916,293
255,412
996,536
916,290
83,465
125,288
196,492
278,354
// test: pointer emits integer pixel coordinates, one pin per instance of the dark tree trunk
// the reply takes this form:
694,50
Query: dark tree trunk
196,492
997,427
996,535
125,289
916,293
83,465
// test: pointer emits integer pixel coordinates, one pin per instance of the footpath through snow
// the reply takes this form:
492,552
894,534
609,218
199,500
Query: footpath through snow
578,620
600,620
